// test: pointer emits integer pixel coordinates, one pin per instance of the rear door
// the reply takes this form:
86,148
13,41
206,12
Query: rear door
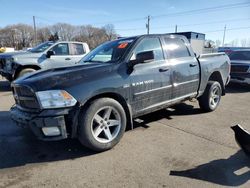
185,67
77,52
150,82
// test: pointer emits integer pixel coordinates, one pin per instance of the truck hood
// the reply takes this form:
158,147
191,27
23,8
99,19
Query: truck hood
64,77
20,55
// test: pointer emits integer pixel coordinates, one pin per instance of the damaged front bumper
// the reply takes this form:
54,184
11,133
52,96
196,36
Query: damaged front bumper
47,125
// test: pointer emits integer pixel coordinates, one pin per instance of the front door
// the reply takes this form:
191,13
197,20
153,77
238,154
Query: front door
61,58
150,82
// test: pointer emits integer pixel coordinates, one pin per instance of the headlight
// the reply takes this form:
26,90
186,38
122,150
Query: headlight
55,99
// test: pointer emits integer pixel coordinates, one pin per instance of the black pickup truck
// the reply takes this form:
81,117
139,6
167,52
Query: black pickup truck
97,100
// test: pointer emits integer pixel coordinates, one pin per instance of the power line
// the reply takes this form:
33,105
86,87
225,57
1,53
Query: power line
212,9
194,11
185,25
230,29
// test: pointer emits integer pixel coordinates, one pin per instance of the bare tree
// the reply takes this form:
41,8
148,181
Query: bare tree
43,34
243,42
110,31
209,44
218,43
234,43
248,42
65,31
22,36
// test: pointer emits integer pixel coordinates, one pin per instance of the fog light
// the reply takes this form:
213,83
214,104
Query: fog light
51,131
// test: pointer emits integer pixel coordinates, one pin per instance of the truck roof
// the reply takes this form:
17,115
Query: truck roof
158,35
62,41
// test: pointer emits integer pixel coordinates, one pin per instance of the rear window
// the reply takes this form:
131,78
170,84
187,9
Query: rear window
176,48
240,55
77,49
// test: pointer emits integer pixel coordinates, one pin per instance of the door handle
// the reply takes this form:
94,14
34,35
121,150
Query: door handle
163,69
192,65
67,59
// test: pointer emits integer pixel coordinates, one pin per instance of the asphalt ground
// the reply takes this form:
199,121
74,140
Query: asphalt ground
175,147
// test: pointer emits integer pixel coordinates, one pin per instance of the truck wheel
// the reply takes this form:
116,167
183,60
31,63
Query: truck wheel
210,99
102,124
25,71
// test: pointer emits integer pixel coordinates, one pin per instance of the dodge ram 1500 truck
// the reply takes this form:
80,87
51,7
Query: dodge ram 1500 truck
97,100
44,56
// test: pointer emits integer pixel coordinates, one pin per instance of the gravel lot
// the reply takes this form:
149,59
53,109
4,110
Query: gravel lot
176,147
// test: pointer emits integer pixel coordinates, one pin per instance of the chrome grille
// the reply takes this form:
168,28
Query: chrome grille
24,97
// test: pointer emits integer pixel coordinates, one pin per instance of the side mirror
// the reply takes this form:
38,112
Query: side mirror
50,53
144,57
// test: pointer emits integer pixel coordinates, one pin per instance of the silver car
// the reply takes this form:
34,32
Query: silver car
44,56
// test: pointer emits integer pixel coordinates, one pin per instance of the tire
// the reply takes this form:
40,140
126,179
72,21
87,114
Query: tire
211,97
24,72
102,124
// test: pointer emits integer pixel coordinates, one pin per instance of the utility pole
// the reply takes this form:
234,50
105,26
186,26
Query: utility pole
175,28
224,35
148,25
34,22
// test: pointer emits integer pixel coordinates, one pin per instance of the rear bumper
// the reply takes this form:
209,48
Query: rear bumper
243,78
37,121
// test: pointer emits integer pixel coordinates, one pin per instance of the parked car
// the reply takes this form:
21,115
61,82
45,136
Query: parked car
45,56
228,50
240,66
116,82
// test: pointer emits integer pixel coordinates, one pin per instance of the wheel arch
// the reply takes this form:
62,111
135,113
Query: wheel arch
119,98
216,76
22,67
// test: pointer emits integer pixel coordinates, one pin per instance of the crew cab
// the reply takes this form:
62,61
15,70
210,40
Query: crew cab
118,81
44,56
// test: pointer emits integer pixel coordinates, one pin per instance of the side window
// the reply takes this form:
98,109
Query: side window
77,49
150,44
61,49
176,48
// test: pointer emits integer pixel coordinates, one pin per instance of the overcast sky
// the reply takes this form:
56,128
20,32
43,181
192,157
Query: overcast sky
129,16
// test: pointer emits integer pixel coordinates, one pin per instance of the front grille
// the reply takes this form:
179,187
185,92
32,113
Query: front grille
25,98
2,63
239,68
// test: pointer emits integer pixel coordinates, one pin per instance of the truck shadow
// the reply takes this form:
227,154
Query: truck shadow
182,109
18,146
237,88
4,85
233,171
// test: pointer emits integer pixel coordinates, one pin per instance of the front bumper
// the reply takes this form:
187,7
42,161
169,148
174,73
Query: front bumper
243,78
37,121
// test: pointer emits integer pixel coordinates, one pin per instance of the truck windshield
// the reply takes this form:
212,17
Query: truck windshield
240,55
109,51
41,47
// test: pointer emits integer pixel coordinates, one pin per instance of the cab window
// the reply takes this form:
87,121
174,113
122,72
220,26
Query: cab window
61,49
77,49
176,48
149,44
